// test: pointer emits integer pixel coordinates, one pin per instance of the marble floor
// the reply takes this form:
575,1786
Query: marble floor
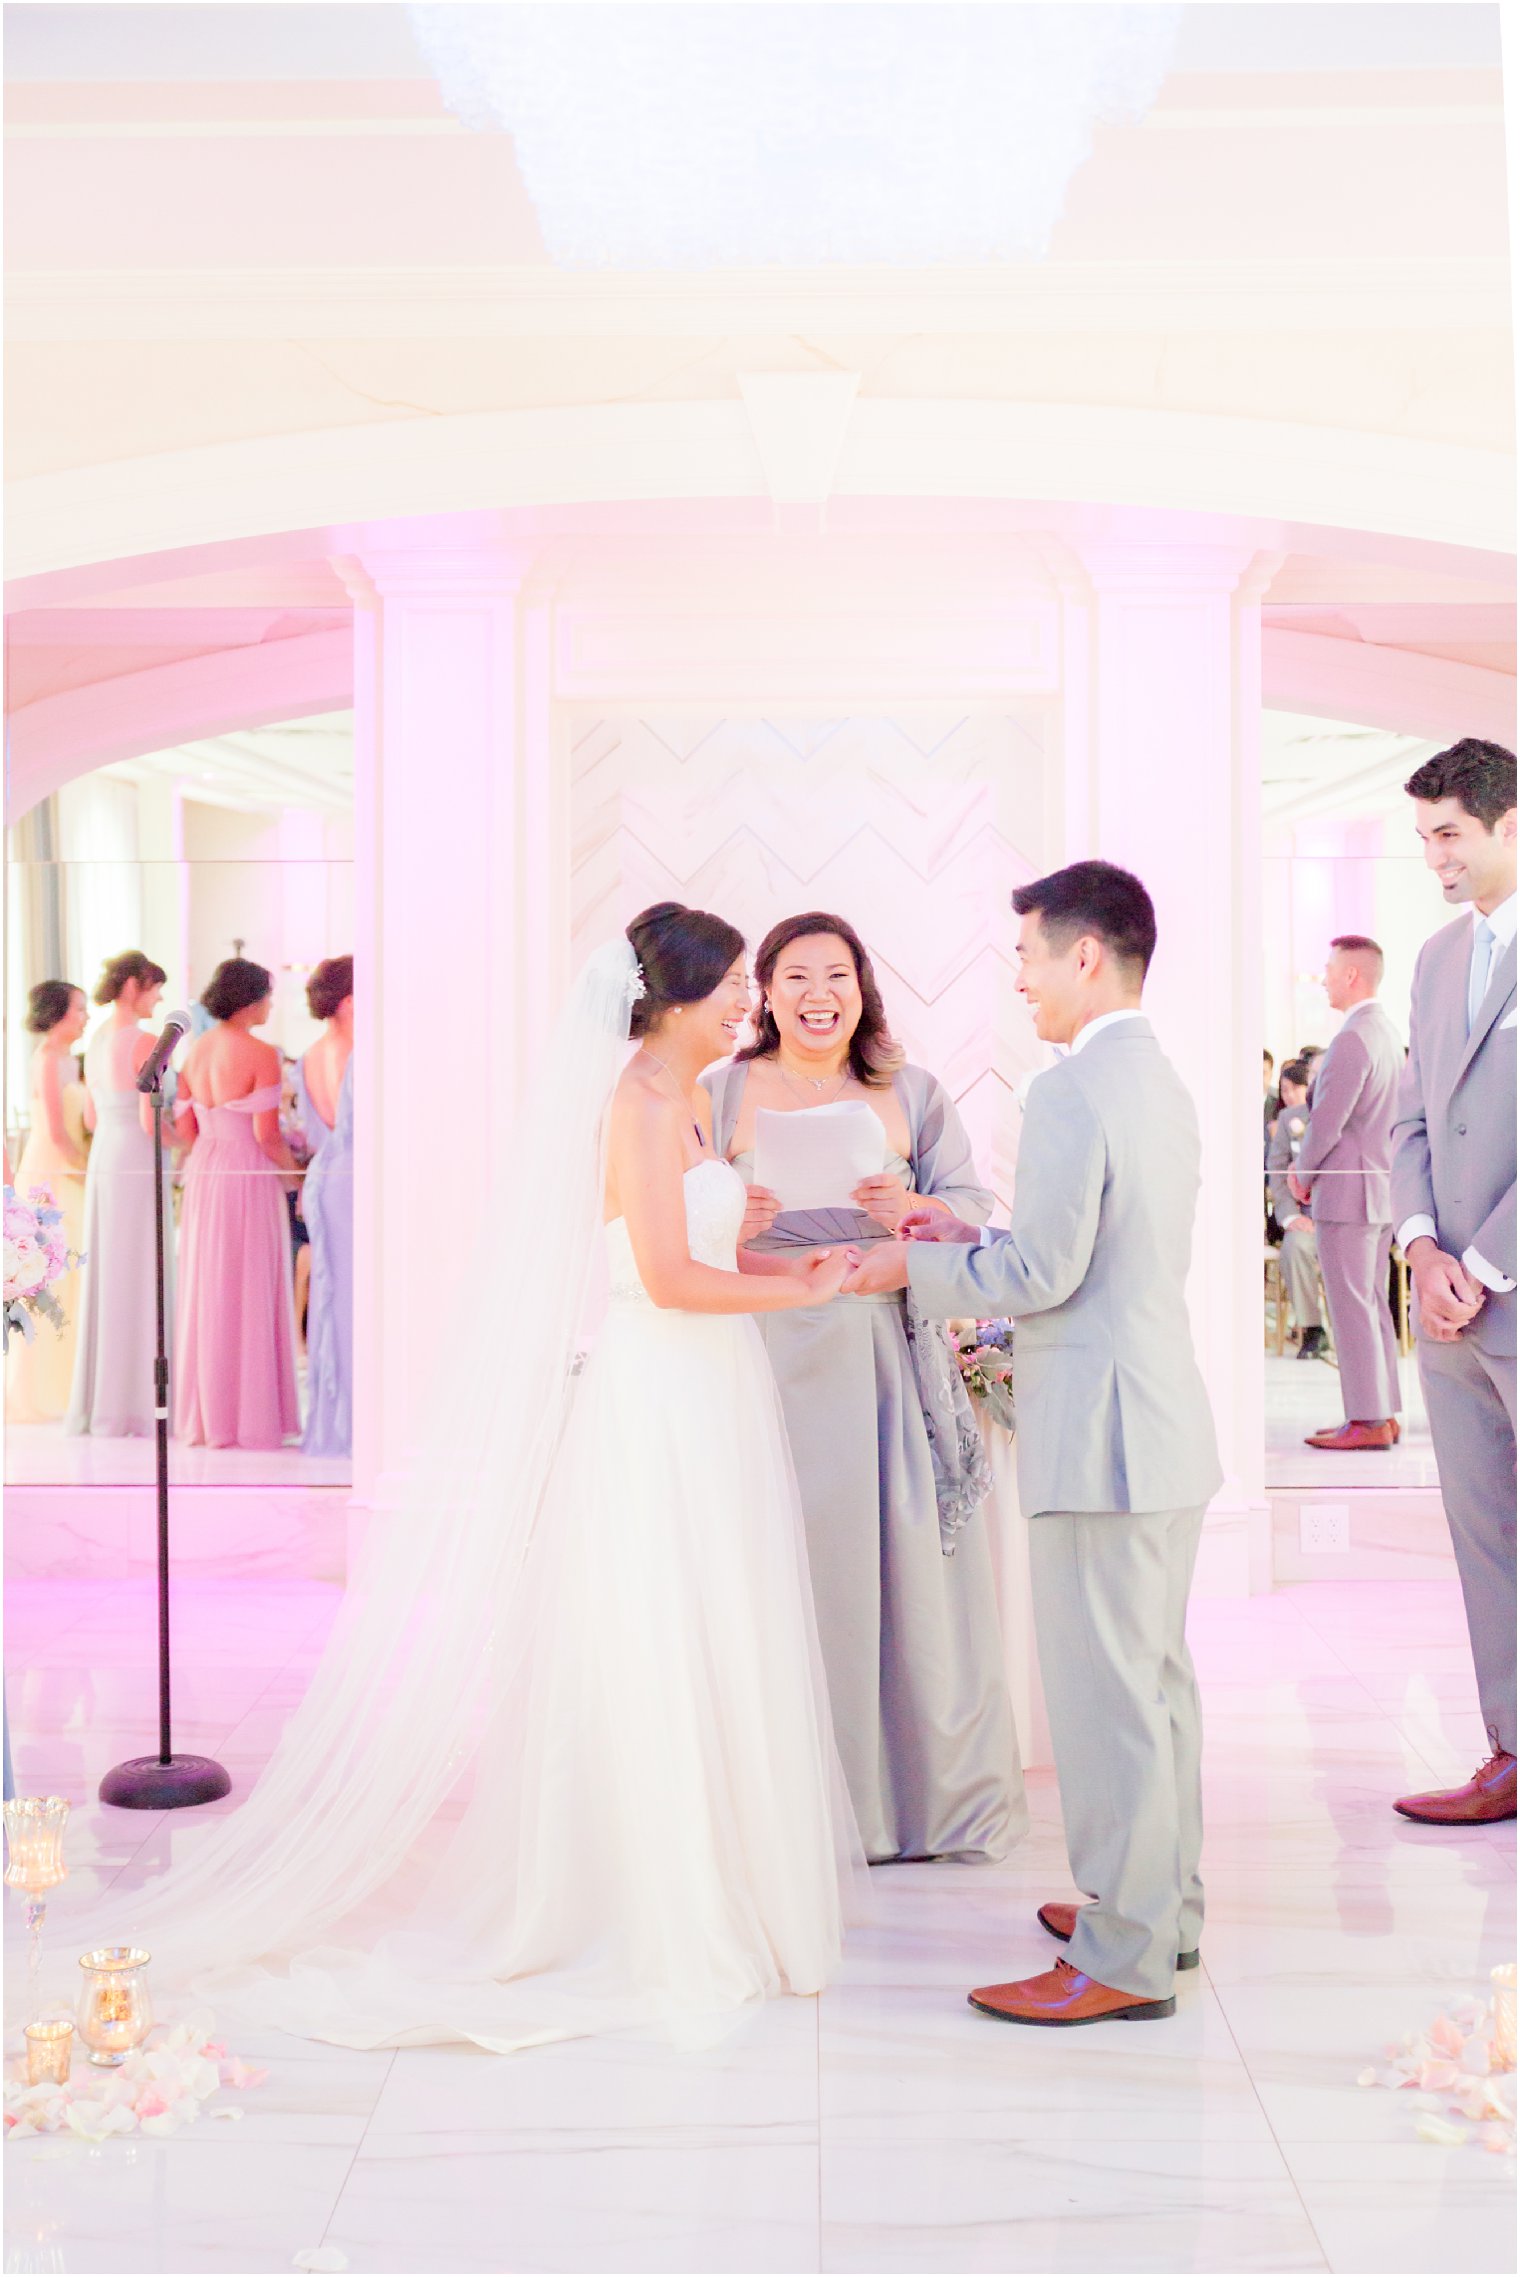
1304,1396
884,2126
43,1454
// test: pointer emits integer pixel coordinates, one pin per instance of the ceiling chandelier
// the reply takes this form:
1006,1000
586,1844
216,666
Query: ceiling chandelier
698,134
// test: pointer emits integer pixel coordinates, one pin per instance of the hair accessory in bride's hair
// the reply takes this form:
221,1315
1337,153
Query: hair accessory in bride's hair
636,985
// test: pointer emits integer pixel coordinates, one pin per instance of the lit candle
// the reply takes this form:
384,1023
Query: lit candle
34,1827
115,2013
49,2047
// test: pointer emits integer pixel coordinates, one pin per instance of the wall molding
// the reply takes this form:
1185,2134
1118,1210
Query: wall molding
1402,295
339,480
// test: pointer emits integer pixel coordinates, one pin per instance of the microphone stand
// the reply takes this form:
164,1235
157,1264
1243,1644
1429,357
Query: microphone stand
166,1781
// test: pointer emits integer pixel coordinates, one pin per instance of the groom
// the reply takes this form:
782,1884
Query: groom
1116,1451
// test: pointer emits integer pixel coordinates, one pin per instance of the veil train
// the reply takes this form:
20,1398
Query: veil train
357,1893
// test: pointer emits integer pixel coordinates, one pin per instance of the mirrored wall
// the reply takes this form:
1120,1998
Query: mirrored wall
1341,856
240,848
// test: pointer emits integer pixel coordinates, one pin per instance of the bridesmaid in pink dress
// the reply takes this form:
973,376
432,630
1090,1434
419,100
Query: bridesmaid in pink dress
235,1352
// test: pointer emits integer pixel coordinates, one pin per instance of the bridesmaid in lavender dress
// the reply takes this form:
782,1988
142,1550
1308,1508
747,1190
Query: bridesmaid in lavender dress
112,1396
39,1369
325,1074
235,1335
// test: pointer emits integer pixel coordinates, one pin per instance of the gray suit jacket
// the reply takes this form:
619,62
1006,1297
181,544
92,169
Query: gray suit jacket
1348,1146
1282,1154
1112,1413
1454,1134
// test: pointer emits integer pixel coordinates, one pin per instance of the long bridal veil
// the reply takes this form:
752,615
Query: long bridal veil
394,1709
396,1875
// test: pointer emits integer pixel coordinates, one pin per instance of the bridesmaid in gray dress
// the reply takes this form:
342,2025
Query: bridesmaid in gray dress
112,1394
888,1457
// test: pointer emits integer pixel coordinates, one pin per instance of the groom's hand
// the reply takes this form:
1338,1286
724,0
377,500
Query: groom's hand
883,1266
934,1225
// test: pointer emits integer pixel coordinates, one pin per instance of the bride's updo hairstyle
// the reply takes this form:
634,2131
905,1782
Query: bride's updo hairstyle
875,1053
684,954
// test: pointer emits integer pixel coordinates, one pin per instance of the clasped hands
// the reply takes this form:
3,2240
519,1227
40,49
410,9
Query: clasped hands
885,1266
1450,1298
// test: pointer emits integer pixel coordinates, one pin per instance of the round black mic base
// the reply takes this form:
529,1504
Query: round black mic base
146,1784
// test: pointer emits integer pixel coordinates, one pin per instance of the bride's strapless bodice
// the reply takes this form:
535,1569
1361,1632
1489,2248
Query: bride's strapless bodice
714,1213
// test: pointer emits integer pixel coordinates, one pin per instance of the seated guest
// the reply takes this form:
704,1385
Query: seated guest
113,1395
235,1336
1299,1259
1343,1159
888,1456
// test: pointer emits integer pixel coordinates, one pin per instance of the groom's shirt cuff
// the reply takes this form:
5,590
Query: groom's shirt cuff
1489,1275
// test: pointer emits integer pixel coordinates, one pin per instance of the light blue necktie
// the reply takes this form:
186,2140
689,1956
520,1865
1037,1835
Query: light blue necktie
1478,971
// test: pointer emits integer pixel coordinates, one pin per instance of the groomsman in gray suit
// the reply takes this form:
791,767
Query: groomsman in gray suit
1454,1200
1342,1168
1116,1451
1299,1259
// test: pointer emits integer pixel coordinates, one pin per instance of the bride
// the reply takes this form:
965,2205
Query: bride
566,1765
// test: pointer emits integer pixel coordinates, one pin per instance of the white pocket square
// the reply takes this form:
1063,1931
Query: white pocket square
1508,1021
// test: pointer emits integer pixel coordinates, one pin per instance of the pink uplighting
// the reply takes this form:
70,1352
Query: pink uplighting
645,1673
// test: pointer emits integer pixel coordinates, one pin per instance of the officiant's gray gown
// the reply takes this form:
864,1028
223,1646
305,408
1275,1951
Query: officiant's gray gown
910,1635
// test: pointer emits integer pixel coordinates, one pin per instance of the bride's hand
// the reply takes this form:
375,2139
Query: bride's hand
824,1273
761,1210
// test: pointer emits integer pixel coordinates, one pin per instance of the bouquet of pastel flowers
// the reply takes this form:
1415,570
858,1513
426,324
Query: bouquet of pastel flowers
37,1254
984,1354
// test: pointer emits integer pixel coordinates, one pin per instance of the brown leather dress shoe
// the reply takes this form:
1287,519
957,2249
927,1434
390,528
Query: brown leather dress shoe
1064,1996
1488,1796
1356,1435
1060,1918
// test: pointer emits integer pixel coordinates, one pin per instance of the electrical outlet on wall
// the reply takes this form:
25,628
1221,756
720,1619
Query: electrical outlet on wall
1324,1528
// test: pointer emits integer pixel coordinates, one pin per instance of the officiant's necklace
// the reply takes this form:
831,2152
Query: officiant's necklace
816,1082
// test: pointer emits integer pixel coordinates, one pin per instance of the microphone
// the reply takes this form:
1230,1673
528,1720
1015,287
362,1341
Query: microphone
174,1030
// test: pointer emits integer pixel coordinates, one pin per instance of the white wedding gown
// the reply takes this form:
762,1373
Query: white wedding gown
659,1830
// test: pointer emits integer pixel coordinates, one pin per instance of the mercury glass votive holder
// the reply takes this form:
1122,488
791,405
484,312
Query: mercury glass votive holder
34,1827
49,2051
1503,1979
115,2011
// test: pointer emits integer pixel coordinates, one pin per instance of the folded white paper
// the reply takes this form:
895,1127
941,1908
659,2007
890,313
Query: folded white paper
814,1159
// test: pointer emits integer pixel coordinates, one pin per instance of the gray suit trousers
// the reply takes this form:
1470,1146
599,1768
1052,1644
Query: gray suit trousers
1110,1605
1300,1270
1470,1396
1353,1262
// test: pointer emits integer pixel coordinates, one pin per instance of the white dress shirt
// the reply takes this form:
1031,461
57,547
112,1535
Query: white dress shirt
1501,925
1084,1036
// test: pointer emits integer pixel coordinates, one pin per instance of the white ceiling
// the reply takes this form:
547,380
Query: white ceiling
298,763
76,40
1323,770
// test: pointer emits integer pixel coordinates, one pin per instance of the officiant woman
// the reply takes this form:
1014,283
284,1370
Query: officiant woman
888,1455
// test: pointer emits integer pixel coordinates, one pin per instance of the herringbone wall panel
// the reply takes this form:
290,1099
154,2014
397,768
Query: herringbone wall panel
915,829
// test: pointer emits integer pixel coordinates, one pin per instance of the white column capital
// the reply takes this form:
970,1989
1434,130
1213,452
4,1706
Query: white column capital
1163,572
436,573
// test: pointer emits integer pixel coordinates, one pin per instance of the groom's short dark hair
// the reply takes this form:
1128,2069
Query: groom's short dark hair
1097,898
